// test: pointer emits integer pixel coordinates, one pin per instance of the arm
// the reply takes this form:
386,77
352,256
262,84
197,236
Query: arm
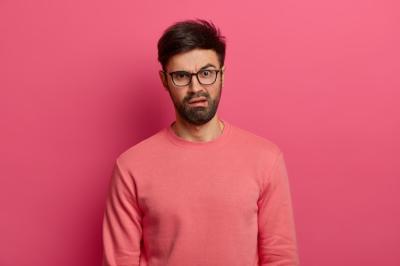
122,221
276,229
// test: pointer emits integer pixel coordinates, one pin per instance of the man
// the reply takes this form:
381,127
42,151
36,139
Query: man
200,191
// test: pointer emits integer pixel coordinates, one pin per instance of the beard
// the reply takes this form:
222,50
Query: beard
197,115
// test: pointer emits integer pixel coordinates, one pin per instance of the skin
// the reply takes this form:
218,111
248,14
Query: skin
195,123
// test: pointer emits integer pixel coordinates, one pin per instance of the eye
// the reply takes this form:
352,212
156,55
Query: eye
206,73
181,75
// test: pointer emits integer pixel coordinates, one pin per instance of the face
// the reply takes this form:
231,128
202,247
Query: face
199,59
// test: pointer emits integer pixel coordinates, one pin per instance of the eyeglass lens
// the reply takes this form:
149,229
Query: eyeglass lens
205,77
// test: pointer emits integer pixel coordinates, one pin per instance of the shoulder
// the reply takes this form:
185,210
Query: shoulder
143,150
254,142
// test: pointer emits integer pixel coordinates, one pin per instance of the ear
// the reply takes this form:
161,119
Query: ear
222,75
163,77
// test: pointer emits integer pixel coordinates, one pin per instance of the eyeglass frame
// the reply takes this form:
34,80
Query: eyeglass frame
194,74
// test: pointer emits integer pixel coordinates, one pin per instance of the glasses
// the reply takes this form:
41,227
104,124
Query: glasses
204,77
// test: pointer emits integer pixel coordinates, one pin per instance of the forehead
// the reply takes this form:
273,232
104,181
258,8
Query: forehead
193,60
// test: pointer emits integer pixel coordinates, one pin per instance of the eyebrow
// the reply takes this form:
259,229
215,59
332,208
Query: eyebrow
208,65
204,67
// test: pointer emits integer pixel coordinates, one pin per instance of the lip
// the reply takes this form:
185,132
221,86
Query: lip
199,99
198,102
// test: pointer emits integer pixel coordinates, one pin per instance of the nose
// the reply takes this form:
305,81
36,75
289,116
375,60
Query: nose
195,85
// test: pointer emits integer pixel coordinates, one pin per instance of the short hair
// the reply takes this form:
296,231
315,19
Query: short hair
187,35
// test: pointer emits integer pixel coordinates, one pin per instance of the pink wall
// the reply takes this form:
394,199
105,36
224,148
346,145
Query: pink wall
79,84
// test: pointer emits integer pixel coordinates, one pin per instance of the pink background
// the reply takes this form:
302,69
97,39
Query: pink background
79,85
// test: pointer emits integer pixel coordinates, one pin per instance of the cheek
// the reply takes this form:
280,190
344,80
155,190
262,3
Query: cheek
178,96
215,91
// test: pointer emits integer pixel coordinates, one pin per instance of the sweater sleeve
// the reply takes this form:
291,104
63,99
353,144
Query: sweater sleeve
276,229
122,230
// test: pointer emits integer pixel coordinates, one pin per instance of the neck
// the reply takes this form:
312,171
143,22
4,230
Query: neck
198,133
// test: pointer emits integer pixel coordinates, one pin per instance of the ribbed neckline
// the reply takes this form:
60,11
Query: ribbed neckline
220,140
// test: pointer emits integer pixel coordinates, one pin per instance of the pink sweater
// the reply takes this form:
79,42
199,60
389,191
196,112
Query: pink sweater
180,203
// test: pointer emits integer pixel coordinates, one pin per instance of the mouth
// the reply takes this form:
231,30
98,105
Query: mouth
201,101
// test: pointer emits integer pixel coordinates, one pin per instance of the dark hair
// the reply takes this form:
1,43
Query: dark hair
187,35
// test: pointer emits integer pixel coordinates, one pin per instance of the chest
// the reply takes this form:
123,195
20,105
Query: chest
213,191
